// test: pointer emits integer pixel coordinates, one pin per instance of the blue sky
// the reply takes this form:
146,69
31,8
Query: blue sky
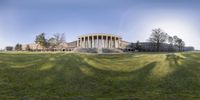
22,20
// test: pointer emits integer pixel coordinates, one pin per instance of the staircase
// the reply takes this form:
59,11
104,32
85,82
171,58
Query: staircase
98,50
111,50
86,50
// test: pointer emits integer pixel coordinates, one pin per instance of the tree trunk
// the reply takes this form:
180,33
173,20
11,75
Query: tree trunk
158,47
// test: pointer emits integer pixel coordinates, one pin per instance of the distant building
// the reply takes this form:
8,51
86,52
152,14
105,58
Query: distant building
62,47
71,46
151,47
9,48
33,46
189,48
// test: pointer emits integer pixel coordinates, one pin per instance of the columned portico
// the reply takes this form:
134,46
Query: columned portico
99,41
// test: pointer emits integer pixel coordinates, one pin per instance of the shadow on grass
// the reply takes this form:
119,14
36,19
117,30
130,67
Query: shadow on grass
184,82
65,78
69,76
174,59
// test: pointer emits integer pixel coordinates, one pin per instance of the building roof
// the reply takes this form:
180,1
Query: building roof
108,34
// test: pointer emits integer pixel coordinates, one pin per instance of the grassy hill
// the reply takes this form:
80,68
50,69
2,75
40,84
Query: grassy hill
141,76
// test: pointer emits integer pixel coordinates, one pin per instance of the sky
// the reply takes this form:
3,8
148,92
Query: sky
133,20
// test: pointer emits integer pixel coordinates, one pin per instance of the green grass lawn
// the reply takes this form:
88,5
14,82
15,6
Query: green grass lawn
140,76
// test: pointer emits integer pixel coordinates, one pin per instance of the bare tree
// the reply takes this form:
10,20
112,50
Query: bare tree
182,45
171,42
179,43
157,37
59,38
56,40
138,46
175,38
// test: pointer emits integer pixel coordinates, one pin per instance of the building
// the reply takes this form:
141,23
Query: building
107,42
99,40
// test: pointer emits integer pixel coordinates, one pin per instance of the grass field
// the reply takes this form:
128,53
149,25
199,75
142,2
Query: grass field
141,76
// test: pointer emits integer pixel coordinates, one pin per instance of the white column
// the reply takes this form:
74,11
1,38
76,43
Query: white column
115,42
92,41
119,42
106,44
97,41
111,45
90,45
85,42
81,45
77,42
